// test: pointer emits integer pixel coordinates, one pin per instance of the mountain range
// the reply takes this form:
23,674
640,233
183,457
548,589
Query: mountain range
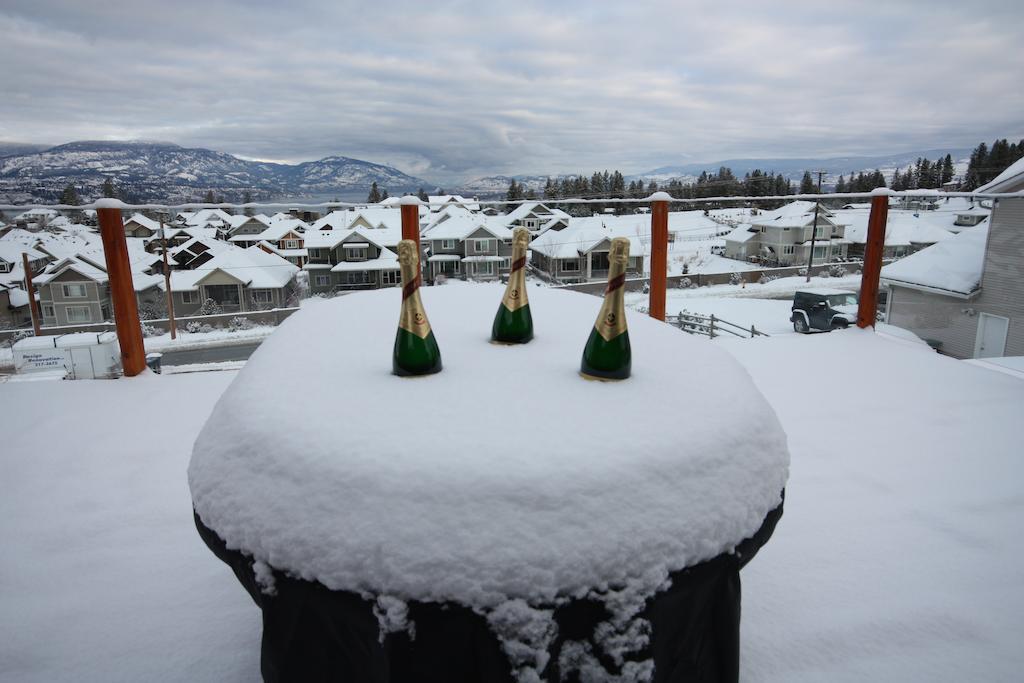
155,171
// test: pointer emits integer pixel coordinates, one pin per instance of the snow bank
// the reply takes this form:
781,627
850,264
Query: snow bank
505,476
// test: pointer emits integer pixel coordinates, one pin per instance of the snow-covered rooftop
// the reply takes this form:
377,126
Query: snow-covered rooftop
253,267
1010,180
954,265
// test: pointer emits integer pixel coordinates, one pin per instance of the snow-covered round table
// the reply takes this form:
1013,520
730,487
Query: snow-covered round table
505,489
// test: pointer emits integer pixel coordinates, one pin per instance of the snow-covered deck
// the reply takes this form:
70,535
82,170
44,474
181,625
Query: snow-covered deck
897,557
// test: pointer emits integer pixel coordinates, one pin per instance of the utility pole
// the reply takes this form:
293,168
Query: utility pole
814,232
167,283
33,305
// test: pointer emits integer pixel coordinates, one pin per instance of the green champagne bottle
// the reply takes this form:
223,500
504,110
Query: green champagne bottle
513,323
416,351
607,355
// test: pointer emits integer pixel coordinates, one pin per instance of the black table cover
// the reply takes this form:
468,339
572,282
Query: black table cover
311,633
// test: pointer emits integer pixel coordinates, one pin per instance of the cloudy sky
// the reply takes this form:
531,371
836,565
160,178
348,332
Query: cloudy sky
453,90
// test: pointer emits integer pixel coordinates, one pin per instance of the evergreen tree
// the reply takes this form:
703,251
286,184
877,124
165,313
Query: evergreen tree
422,196
70,196
807,184
384,194
246,198
531,194
209,197
374,196
109,190
550,189
652,187
947,169
841,184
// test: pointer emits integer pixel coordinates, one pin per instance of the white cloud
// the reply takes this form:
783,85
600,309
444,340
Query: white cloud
451,90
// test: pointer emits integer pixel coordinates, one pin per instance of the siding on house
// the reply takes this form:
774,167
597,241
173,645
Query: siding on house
953,321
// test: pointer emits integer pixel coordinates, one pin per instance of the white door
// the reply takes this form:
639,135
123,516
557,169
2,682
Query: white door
991,342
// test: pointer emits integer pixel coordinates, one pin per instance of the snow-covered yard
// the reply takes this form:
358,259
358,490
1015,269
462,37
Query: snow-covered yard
896,558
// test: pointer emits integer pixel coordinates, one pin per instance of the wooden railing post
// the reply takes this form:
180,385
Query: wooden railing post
659,254
122,291
873,248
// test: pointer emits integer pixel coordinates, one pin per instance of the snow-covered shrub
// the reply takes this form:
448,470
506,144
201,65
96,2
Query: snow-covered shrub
152,310
209,307
836,270
195,326
16,337
685,283
766,278
440,279
824,273
150,331
802,272
735,279
240,322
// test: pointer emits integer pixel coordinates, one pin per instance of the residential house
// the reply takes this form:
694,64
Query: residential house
906,232
579,252
194,253
237,226
360,258
535,217
12,271
141,226
474,247
35,219
76,289
286,239
14,310
965,295
441,201
236,280
783,237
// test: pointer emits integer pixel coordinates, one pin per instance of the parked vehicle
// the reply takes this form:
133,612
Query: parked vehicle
823,309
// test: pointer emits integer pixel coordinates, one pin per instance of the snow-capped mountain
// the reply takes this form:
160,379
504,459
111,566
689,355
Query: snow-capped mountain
494,185
153,171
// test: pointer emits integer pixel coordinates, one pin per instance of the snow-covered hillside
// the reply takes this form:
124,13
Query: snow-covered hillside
161,171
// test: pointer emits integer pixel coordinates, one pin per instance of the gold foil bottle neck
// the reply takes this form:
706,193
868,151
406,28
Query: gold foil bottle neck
515,292
413,318
611,321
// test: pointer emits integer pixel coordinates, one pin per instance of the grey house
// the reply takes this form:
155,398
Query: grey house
965,295
236,280
341,260
76,290
473,247
579,252
784,237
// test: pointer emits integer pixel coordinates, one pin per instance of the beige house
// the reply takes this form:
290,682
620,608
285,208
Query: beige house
784,237
235,280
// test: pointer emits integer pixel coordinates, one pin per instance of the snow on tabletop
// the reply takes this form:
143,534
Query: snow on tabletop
507,475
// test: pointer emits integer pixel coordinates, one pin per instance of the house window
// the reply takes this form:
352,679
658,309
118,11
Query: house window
48,311
571,265
74,291
322,280
486,268
789,249
389,277
79,314
314,253
5,267
447,244
356,254
820,252
262,296
189,297
291,244
764,229
481,245
820,232
506,263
